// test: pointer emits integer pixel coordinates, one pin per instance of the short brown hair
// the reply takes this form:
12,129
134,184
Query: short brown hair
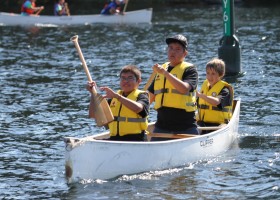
218,65
133,69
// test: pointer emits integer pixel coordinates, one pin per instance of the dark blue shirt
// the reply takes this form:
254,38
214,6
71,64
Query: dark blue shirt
106,10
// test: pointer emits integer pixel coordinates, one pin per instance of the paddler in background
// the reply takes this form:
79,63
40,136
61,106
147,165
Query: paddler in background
29,8
61,8
113,7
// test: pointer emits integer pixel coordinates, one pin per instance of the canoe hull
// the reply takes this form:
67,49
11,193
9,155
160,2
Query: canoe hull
88,158
132,17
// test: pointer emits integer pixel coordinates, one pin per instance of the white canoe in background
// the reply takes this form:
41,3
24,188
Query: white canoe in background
131,17
92,158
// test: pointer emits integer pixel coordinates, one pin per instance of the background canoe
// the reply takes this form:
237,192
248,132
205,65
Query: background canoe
131,17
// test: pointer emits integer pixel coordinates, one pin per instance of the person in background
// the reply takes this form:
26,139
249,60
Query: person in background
61,8
114,7
173,90
130,106
215,97
29,8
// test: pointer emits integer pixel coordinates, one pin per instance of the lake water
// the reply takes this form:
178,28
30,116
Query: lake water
43,99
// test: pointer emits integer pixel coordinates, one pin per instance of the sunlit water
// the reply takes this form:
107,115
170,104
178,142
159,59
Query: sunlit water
43,99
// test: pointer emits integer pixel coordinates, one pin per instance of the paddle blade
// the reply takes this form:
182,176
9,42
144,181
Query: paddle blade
102,111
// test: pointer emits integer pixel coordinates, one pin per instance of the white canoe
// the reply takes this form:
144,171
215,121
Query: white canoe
131,17
92,158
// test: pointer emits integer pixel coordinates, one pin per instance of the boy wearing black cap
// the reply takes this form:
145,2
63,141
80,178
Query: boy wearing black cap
173,90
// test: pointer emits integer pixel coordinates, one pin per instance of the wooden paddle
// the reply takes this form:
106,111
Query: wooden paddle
67,9
40,10
125,6
101,109
152,77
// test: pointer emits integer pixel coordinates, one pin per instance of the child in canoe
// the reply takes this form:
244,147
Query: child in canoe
215,97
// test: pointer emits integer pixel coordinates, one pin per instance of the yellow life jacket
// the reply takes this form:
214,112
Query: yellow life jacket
168,96
213,114
125,120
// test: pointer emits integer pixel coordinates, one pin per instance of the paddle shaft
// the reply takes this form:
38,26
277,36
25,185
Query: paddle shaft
152,77
101,109
40,10
74,39
125,6
67,9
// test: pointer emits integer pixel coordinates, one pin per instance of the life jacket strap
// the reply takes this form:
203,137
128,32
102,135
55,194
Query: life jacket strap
129,119
214,108
161,91
174,91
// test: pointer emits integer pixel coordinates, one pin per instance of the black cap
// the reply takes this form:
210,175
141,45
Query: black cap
178,38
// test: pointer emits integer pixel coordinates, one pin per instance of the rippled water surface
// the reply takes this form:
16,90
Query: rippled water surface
43,99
